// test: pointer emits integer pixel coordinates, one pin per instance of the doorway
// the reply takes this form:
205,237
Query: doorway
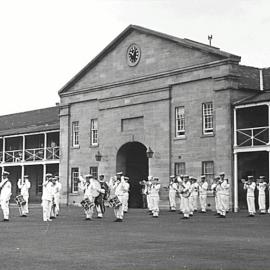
132,161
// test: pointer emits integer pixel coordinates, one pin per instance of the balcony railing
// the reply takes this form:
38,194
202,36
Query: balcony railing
52,153
13,156
34,154
252,136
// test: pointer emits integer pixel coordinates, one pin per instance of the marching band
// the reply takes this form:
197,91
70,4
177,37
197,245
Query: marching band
97,194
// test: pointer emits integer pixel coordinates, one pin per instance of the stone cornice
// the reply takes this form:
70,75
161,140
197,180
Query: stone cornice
151,77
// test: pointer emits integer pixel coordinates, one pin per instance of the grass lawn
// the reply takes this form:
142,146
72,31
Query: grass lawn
140,242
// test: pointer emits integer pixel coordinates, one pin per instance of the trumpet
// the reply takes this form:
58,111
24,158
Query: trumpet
144,183
246,182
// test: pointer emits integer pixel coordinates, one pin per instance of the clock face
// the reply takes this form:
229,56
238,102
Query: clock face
133,55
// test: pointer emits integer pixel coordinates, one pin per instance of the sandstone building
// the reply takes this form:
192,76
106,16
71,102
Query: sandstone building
150,91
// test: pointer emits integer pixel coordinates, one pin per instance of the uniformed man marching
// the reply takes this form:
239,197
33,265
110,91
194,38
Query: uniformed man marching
203,186
5,193
250,186
47,197
24,185
261,186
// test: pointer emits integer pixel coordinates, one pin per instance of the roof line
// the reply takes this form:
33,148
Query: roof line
125,32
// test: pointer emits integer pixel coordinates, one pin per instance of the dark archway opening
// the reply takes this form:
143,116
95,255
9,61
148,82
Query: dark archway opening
133,162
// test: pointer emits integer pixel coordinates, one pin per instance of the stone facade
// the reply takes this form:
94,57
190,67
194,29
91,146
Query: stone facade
137,104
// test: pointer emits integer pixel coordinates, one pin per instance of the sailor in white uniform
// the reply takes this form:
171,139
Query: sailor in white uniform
5,193
24,185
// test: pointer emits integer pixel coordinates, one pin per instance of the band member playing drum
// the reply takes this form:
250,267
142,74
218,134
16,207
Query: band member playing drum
250,186
203,186
117,186
91,189
47,196
24,185
261,186
5,193
102,197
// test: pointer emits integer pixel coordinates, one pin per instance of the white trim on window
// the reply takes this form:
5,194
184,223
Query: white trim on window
180,122
94,132
75,133
208,118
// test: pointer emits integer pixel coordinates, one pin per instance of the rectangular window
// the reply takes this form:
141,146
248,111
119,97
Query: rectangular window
75,133
180,121
74,180
94,132
208,170
207,111
179,168
94,172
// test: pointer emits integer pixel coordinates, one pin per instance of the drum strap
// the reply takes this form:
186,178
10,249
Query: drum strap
3,186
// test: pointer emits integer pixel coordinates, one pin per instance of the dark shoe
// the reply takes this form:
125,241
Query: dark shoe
52,217
120,220
5,220
99,217
116,220
88,218
24,215
185,218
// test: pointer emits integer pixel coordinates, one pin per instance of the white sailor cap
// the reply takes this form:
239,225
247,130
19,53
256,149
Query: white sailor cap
25,176
250,176
88,175
150,177
172,176
5,173
119,173
48,174
262,177
202,176
222,173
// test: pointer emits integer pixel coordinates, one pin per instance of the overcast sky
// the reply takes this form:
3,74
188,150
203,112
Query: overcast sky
44,43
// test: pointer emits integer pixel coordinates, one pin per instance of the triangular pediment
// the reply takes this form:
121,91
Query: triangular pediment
158,53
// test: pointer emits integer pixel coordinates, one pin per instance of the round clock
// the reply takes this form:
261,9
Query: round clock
133,55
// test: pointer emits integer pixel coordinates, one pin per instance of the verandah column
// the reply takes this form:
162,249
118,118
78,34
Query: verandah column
235,176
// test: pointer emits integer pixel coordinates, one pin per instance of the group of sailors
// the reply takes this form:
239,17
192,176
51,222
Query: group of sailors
98,194
190,192
250,186
50,196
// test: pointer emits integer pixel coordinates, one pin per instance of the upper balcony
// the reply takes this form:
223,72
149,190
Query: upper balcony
30,148
251,126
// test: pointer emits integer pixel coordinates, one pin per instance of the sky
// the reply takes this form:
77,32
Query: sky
44,43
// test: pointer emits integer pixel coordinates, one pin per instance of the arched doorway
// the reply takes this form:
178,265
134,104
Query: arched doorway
132,161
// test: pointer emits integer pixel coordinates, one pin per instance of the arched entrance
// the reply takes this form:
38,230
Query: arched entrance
132,161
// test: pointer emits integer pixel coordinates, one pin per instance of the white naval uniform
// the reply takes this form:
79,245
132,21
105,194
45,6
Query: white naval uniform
57,197
172,196
5,186
194,195
250,197
185,200
154,195
148,196
24,186
261,198
203,195
214,190
47,197
224,197
119,188
91,191
125,196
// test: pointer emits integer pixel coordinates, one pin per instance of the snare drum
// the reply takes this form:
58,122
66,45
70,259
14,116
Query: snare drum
114,202
20,200
87,204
